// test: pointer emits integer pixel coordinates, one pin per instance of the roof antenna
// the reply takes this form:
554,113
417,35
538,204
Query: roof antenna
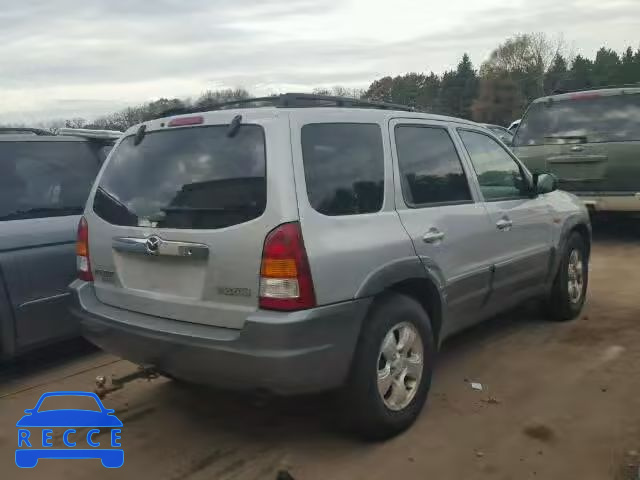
139,135
234,126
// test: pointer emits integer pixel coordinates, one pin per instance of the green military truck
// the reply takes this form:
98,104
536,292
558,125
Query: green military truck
591,141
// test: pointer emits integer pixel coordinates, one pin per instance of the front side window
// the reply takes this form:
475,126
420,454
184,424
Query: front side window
187,178
343,167
429,165
499,176
45,179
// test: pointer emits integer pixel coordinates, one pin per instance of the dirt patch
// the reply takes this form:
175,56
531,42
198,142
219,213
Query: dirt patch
629,468
560,401
540,432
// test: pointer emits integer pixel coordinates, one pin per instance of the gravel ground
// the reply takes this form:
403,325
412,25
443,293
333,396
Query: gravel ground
560,401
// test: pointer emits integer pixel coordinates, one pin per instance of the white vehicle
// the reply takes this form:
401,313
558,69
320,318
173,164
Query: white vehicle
514,125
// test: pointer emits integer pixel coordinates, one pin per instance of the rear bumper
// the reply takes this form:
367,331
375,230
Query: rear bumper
611,202
285,353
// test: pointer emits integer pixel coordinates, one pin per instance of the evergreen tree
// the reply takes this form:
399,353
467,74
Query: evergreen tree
458,89
606,68
556,76
630,67
581,74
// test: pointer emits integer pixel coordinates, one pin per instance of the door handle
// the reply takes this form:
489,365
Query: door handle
504,224
577,148
432,236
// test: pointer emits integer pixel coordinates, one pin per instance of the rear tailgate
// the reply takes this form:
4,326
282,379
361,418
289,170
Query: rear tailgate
177,223
590,140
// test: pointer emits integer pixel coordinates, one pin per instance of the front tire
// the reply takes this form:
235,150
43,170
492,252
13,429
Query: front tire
392,368
569,290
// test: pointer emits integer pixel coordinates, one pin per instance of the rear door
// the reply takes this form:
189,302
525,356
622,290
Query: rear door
44,184
520,248
178,221
449,227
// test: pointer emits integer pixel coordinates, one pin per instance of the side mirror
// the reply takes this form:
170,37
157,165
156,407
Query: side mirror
545,183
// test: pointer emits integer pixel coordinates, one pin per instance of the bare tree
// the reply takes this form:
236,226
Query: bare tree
340,91
526,58
499,100
212,97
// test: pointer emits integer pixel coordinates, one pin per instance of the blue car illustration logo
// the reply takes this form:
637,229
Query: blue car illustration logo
74,428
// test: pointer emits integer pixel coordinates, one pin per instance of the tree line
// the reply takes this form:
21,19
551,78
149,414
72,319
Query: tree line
522,68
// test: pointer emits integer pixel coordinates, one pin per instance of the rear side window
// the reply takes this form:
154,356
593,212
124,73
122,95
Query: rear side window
343,167
45,179
585,119
190,178
499,176
429,165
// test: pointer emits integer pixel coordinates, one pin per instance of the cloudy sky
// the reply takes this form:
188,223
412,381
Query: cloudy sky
64,58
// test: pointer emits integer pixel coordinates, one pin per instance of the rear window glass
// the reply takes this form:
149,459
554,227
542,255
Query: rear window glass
343,167
191,178
45,179
582,120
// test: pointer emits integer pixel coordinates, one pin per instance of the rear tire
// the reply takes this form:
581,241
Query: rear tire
569,290
392,368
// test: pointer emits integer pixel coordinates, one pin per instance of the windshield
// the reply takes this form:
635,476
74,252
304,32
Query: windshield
586,119
192,178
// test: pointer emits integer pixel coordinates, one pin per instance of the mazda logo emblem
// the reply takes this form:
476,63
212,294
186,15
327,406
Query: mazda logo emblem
153,244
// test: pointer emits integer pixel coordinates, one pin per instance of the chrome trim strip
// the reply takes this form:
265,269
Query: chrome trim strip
155,245
44,299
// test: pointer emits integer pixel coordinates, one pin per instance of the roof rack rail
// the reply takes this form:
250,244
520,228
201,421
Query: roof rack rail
559,91
92,134
291,100
34,131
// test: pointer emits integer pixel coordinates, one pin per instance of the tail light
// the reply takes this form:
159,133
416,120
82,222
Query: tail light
82,252
285,277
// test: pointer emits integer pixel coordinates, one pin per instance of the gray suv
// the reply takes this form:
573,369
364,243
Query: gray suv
44,183
304,243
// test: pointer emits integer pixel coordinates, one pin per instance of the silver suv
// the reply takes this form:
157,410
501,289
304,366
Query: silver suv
302,243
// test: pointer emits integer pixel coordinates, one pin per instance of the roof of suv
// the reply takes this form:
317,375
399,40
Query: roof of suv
293,103
26,134
596,92
158,123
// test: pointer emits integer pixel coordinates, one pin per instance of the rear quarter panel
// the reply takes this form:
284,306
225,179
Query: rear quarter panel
37,262
344,251
567,212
